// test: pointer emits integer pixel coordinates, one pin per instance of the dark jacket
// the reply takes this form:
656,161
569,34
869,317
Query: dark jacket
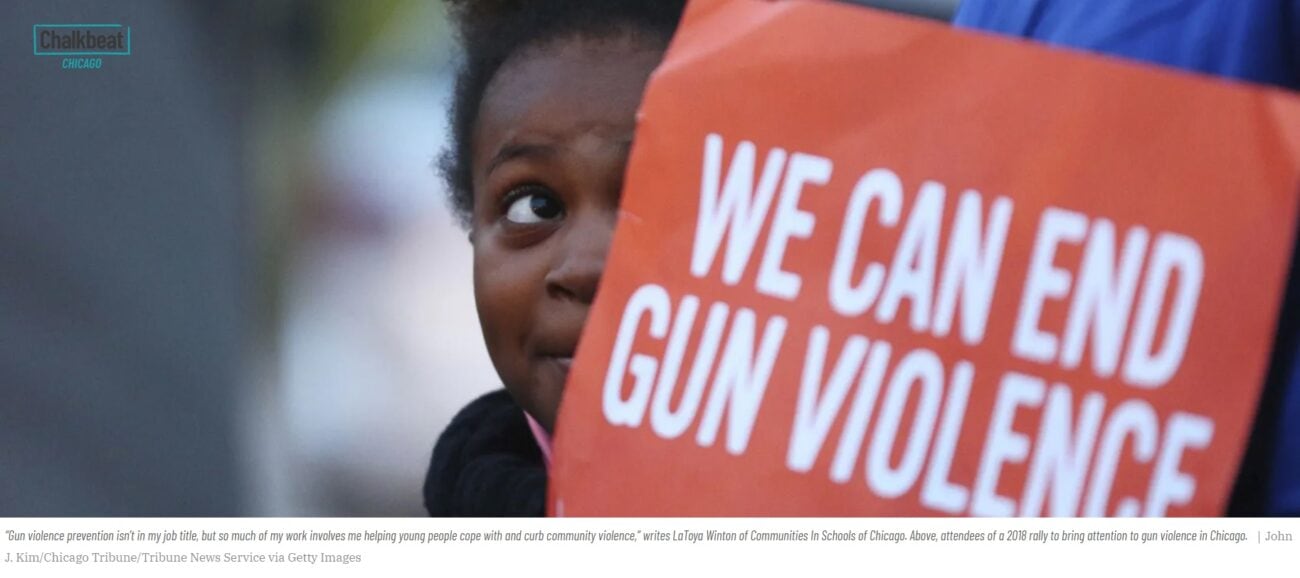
487,463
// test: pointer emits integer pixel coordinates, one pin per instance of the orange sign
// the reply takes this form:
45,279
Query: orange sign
870,265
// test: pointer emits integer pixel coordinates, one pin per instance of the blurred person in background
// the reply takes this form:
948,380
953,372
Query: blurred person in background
373,343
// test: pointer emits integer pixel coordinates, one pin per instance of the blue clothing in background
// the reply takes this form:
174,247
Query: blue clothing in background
1253,40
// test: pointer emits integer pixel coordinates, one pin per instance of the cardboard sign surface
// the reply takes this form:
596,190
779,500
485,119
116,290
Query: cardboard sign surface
870,265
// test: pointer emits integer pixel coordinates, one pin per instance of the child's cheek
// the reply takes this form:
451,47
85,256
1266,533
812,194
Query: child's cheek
507,289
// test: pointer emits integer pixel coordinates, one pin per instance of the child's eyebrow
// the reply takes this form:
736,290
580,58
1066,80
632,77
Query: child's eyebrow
512,151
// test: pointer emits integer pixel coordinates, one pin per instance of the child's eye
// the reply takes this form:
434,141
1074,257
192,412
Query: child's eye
532,205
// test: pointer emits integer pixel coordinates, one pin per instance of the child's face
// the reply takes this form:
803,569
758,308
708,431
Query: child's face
550,146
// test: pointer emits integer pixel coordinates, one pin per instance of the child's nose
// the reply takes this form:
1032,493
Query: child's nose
577,270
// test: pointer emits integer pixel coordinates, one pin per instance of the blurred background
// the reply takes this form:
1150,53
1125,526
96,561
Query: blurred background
229,280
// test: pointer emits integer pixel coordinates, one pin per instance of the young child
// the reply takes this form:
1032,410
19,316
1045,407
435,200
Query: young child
542,121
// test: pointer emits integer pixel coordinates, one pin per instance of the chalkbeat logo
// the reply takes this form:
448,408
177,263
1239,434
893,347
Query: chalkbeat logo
82,46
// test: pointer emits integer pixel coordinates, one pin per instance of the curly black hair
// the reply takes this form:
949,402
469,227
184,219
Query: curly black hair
491,31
